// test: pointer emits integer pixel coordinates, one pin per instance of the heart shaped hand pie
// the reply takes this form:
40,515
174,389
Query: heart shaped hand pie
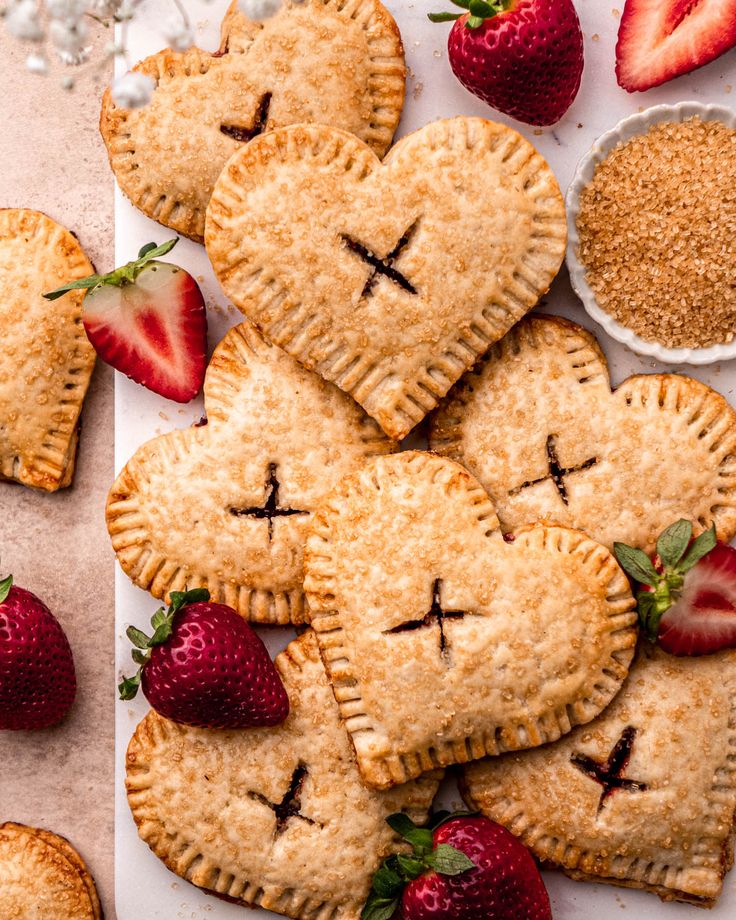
328,61
389,280
42,877
273,817
226,506
445,643
645,796
46,361
538,425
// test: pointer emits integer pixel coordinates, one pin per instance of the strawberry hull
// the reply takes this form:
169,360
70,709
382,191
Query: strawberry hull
527,62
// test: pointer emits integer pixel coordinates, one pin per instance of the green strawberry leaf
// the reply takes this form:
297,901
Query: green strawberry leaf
443,17
449,861
699,548
90,281
411,866
139,657
179,599
138,637
673,542
636,564
151,251
475,22
159,618
144,250
649,615
5,585
387,883
128,688
419,837
379,908
162,634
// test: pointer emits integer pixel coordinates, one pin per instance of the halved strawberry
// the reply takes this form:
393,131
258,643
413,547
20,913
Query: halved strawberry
148,320
659,40
687,594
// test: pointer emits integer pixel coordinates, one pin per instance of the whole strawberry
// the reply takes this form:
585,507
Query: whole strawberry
687,591
464,867
37,678
148,320
205,666
522,57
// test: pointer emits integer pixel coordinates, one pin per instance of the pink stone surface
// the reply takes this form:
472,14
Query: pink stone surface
57,545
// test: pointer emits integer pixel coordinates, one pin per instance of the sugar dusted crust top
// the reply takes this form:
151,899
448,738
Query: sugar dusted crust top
339,62
628,463
388,279
674,837
201,802
42,877
538,637
46,361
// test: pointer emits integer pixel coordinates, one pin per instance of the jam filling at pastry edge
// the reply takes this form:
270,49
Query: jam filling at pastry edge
609,774
436,614
557,473
385,266
271,509
260,122
290,805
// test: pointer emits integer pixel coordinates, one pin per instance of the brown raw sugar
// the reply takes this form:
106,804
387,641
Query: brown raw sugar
657,228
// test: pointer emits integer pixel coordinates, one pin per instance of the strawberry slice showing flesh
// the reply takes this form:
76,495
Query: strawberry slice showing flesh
154,330
703,619
659,40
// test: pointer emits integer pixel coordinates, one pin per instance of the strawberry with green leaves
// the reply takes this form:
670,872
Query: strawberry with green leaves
148,320
522,57
687,591
205,666
464,867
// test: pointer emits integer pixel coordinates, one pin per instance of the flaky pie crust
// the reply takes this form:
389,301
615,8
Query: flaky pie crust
340,62
176,512
676,837
659,448
544,645
464,216
46,361
42,877
200,800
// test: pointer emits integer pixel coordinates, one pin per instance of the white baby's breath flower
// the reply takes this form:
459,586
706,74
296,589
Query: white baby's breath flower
132,90
36,63
66,11
21,19
256,10
177,34
69,40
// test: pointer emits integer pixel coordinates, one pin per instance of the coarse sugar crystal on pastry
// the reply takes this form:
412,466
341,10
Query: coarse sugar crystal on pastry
539,426
644,796
330,61
46,361
226,505
42,877
444,641
271,817
389,279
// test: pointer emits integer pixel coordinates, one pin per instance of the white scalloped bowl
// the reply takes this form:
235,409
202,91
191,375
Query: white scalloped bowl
624,131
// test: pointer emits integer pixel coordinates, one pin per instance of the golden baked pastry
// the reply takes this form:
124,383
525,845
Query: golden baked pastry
226,505
442,641
42,877
331,61
272,817
46,361
643,797
538,425
388,279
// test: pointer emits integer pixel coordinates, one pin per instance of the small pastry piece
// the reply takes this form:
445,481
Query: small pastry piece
538,425
226,506
443,642
272,817
388,279
330,61
643,797
46,361
42,877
